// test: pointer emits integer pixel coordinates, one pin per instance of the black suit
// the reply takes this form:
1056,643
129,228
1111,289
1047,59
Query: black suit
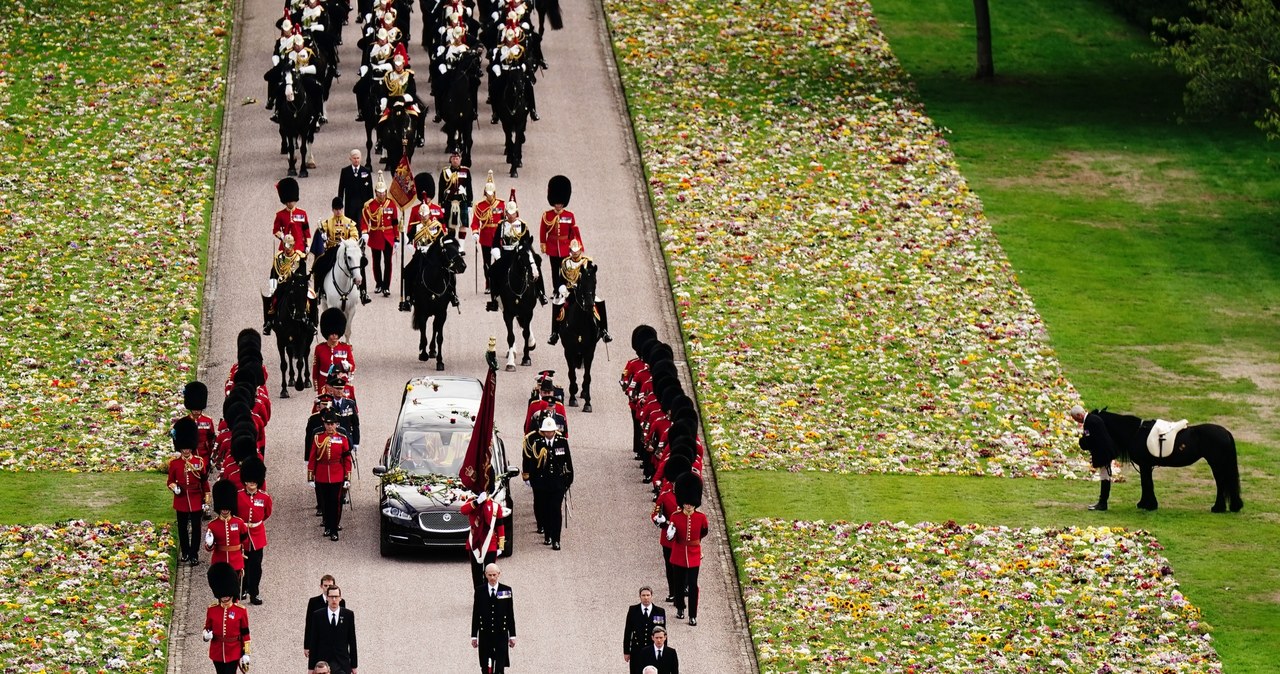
639,631
317,602
493,622
335,645
354,188
669,664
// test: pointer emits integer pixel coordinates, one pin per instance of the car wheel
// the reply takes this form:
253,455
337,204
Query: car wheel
385,548
509,545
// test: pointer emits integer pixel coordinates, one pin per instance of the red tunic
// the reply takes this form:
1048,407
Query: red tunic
230,627
536,407
641,388
330,460
192,478
325,356
205,435
486,216
235,367
665,506
629,372
229,537
293,222
381,221
557,231
480,518
686,547
255,510
417,218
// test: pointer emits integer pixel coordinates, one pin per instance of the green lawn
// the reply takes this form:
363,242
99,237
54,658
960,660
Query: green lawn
1150,249
43,497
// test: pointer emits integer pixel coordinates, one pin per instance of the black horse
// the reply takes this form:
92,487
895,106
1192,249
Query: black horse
511,102
518,293
432,277
298,118
457,103
294,324
367,104
396,135
579,334
1210,442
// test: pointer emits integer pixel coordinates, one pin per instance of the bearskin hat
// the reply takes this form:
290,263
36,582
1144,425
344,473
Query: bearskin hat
287,190
640,334
248,342
689,489
243,445
253,470
684,446
250,372
224,496
657,351
678,432
332,321
233,411
559,189
426,186
195,396
666,390
681,402
686,419
223,580
675,466
664,367
336,204
185,434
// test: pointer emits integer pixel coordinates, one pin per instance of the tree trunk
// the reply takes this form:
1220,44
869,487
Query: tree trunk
982,17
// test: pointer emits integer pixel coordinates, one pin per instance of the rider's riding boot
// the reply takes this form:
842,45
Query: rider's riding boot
275,115
491,305
1103,496
555,328
542,298
604,322
494,118
533,114
453,298
266,315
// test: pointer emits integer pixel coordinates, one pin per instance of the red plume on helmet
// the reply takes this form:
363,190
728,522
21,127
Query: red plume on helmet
402,52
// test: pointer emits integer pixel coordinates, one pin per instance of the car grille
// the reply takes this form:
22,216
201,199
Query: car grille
435,522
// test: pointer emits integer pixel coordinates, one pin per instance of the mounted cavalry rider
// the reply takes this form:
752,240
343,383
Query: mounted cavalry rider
432,234
289,263
332,232
309,67
426,210
572,270
486,219
316,24
512,57
513,240
557,228
279,62
399,87
378,50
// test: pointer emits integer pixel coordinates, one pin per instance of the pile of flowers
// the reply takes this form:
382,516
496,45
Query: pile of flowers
945,597
109,117
444,489
81,597
845,303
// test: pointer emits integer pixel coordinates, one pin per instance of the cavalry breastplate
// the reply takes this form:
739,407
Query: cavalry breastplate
285,265
397,83
571,272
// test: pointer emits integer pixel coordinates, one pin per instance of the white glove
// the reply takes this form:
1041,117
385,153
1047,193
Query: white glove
536,274
208,538
382,104
660,520
496,70
311,484
315,27
364,238
495,254
443,69
244,661
175,489
484,496
671,532
346,484
408,98
562,291
363,70
275,59
208,635
355,449
307,70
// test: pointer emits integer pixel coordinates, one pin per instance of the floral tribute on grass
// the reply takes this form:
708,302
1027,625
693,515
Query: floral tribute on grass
81,597
947,598
845,303
109,119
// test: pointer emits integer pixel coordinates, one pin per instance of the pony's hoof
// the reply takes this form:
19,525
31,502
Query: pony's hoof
1148,507
439,366
299,386
587,408
1237,506
514,172
1218,509
303,173
292,172
422,356
573,402
527,361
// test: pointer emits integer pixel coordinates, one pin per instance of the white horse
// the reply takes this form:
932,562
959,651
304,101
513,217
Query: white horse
342,283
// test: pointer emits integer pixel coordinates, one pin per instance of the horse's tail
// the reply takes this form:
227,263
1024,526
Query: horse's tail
1230,468
553,14
420,315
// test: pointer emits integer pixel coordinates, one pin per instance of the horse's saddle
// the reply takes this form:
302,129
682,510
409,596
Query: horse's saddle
1162,436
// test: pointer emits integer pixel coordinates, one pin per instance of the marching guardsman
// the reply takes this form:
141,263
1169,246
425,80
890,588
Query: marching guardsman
329,470
546,404
558,227
547,466
513,240
686,529
189,482
664,508
379,228
287,262
485,221
640,337
486,535
227,533
426,210
332,231
455,193
226,623
572,269
333,352
291,219
195,397
254,506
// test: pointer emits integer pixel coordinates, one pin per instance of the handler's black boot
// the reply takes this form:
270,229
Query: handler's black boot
1102,498
266,315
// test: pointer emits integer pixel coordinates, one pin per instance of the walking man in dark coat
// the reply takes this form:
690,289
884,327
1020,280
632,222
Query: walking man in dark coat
658,654
493,623
330,635
1102,450
642,619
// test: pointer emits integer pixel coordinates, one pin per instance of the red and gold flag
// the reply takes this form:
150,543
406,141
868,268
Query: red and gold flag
402,187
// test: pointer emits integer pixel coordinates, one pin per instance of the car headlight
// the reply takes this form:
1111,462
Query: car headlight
395,513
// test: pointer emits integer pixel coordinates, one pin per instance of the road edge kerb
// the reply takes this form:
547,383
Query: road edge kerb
184,577
671,324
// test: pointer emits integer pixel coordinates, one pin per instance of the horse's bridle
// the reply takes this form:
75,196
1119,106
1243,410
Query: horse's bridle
351,272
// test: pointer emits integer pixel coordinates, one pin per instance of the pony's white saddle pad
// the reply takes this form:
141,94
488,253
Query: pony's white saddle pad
1163,433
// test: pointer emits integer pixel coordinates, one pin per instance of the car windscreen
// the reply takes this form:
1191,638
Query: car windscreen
427,450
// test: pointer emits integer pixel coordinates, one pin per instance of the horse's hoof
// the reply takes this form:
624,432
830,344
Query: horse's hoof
1237,506
299,385
587,408
422,357
303,173
1218,508
527,361
510,368
439,366
292,172
573,402
514,172
284,393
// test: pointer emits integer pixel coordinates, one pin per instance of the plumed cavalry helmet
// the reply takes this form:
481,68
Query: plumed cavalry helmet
512,207
380,187
490,189
559,189
575,247
195,396
224,496
287,190
223,581
332,321
253,470
185,434
639,334
689,490
287,242
426,186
